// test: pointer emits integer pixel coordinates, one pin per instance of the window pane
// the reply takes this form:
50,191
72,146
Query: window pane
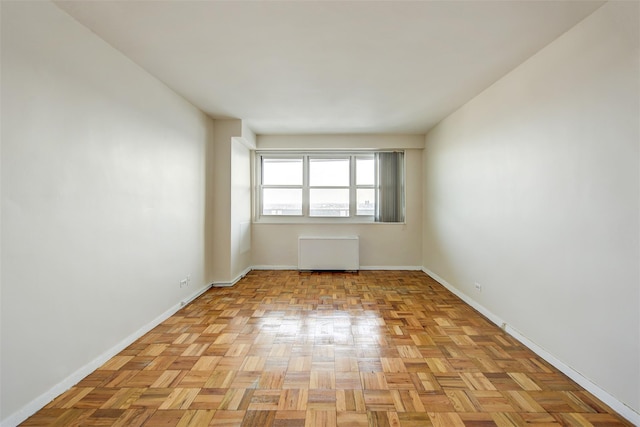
282,171
329,202
365,172
282,201
365,204
329,172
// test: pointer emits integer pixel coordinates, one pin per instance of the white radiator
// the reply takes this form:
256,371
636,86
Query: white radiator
329,253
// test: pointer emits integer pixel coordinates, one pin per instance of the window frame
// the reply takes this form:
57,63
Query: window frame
308,188
306,216
260,178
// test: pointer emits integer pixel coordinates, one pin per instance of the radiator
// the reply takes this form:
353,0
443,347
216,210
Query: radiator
328,253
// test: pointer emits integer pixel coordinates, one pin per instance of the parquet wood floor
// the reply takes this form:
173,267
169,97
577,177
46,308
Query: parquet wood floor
283,348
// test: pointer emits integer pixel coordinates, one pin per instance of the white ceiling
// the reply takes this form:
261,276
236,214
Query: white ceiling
329,66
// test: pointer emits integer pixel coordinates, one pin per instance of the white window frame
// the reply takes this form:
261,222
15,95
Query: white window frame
305,217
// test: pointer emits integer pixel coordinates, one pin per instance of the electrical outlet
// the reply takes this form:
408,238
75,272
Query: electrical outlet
478,287
183,283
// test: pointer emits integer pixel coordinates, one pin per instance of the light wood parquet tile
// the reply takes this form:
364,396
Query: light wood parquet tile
284,348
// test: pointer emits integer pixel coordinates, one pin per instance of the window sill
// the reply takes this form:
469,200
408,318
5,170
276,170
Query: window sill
290,220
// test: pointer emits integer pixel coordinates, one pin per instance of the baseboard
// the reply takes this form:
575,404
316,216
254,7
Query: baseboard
275,267
220,284
194,295
618,406
362,267
39,402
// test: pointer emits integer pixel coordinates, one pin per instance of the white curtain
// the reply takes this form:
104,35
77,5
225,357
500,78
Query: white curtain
390,188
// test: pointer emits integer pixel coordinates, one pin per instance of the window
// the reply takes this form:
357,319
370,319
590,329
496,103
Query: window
362,186
282,186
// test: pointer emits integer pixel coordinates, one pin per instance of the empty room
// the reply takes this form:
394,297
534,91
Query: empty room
320,213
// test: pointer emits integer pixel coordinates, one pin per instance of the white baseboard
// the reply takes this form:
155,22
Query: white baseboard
193,296
275,267
362,267
621,408
391,267
39,402
220,284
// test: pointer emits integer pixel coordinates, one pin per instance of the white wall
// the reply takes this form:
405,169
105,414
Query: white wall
532,190
231,207
220,215
240,207
340,142
102,201
381,245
